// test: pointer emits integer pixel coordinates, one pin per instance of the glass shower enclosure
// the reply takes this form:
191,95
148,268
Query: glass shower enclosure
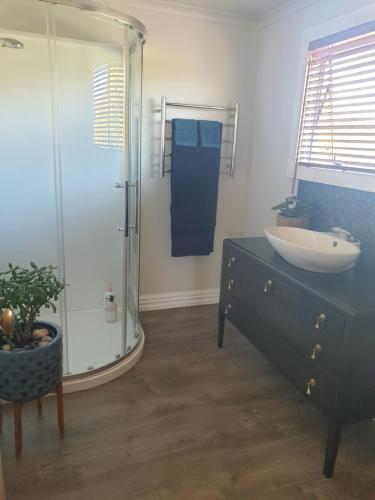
70,133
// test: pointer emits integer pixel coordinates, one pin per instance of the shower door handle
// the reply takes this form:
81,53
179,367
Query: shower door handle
125,186
128,226
136,225
126,209
134,185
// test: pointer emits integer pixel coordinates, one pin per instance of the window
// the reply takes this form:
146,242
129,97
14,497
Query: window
337,129
108,101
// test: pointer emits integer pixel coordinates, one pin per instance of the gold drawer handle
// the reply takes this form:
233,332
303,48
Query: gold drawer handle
231,262
317,349
320,321
268,287
230,285
310,384
227,309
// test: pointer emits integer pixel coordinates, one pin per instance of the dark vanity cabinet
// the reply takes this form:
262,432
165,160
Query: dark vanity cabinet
317,329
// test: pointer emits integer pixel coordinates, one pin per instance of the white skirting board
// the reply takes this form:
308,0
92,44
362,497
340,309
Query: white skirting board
179,299
2,487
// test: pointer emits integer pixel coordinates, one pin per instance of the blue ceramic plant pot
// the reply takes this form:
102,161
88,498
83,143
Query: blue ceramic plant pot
30,374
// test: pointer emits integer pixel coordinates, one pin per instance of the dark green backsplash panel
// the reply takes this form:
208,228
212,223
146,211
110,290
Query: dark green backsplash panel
350,209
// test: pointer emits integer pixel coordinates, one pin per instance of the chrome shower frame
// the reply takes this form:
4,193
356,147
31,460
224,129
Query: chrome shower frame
11,43
97,8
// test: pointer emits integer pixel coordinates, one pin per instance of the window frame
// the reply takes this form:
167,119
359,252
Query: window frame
349,179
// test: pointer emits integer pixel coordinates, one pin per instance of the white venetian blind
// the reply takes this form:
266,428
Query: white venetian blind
338,119
108,101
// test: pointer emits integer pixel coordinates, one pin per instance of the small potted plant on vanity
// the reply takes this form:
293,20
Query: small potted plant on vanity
30,350
293,212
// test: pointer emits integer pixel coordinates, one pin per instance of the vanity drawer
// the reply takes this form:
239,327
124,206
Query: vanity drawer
233,259
322,345
305,321
310,379
235,310
255,283
235,270
306,375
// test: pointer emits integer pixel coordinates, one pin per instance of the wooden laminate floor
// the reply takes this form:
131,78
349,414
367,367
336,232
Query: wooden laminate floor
188,422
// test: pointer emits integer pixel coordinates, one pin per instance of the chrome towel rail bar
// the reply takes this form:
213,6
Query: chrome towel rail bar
222,172
163,110
224,141
169,155
231,125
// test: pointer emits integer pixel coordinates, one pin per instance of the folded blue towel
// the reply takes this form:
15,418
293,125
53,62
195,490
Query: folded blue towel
185,132
194,191
210,133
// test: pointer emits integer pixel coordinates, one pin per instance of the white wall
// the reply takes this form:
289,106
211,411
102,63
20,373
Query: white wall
279,52
199,61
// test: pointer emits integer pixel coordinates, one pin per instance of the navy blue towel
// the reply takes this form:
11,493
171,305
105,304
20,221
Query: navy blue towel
194,188
210,134
185,132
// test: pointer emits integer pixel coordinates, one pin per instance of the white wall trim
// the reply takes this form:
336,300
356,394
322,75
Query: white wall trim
187,298
286,9
169,7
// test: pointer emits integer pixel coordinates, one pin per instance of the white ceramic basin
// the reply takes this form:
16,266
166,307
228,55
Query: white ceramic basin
313,251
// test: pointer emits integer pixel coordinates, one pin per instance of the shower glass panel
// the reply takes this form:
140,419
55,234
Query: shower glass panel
91,164
28,194
70,132
134,166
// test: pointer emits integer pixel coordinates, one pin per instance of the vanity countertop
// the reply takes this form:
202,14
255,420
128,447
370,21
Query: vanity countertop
352,291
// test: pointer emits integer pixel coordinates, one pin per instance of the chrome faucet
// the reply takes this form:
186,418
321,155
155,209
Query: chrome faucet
345,235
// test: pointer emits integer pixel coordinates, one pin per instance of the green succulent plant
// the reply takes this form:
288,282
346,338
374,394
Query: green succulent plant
294,207
25,292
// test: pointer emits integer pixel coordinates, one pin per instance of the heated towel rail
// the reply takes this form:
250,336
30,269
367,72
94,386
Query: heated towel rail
233,141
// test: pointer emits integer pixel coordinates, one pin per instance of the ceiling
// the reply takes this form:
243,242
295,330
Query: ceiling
248,8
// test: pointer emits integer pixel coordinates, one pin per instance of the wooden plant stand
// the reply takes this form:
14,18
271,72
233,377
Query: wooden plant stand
17,410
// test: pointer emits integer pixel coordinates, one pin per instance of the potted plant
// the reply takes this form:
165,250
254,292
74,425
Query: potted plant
30,350
293,212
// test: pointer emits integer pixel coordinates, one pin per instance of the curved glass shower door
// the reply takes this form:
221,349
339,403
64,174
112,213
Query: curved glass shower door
96,97
70,138
134,116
